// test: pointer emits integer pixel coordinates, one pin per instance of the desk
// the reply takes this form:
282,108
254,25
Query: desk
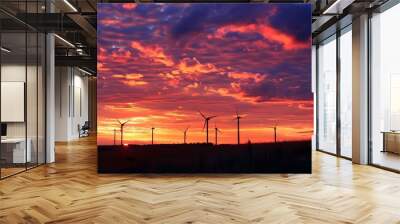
16,147
391,141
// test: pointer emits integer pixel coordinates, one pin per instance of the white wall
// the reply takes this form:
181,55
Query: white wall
71,102
62,81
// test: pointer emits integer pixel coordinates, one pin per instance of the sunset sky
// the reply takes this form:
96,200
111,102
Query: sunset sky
159,64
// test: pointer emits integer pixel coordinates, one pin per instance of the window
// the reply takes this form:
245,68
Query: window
327,95
385,89
345,92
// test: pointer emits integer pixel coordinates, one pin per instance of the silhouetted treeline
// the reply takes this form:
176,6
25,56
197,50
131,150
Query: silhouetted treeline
281,157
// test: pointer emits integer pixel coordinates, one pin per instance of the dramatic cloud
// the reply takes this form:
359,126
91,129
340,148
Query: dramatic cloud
267,32
129,6
159,64
154,53
131,79
246,76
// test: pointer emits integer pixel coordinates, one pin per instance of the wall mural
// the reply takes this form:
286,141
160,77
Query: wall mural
204,87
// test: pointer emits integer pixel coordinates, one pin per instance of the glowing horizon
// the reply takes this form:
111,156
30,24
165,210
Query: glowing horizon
159,64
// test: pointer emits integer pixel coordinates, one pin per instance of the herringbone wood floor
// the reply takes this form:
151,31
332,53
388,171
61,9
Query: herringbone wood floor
70,191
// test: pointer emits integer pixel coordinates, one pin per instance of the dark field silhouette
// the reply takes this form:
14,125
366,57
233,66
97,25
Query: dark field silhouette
281,157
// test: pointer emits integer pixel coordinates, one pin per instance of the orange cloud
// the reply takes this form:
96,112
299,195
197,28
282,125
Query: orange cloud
193,66
109,22
121,56
101,56
129,6
235,86
132,76
257,77
173,82
268,32
191,87
189,67
101,67
133,79
134,83
153,52
238,95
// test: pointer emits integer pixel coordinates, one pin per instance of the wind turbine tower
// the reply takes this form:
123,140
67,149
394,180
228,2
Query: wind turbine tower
206,120
275,127
115,136
152,135
237,118
184,135
122,124
216,134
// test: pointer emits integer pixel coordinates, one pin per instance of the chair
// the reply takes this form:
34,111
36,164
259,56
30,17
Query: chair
84,130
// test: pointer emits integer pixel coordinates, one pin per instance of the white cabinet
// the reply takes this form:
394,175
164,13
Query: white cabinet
19,155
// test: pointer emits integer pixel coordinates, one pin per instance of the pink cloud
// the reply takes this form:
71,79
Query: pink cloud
153,52
267,32
101,67
129,6
109,22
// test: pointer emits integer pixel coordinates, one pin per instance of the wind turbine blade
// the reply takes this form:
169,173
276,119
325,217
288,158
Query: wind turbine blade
209,118
204,125
187,128
202,115
123,123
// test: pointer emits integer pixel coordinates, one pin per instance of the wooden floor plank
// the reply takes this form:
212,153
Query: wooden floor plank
71,191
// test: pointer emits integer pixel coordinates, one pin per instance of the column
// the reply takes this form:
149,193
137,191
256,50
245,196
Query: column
360,90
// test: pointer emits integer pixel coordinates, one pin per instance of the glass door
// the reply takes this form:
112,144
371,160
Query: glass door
22,77
14,156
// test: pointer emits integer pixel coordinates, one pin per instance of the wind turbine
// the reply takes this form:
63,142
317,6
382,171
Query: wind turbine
122,124
115,135
206,120
275,127
238,126
216,134
184,135
152,135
